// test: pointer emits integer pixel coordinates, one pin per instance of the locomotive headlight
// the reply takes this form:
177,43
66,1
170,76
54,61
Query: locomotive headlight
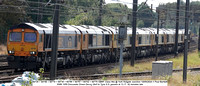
32,53
11,52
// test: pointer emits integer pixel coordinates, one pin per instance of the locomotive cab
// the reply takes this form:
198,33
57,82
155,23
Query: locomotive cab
22,44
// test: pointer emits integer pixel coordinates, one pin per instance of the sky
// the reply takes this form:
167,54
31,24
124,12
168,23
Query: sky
149,2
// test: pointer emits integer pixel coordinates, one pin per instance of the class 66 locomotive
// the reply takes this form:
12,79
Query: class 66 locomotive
29,44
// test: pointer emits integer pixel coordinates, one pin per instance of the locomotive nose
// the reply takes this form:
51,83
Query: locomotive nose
22,43
25,50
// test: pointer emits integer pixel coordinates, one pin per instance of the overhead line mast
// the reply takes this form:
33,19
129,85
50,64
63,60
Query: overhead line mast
186,41
177,27
100,12
133,51
55,41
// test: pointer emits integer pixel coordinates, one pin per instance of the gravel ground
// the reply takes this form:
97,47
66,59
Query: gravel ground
3,50
89,70
3,64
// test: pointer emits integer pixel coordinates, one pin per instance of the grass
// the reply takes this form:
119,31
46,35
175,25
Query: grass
137,68
177,80
193,61
174,80
3,50
193,79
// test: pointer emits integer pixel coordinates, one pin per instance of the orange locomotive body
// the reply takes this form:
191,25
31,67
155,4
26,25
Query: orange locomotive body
22,45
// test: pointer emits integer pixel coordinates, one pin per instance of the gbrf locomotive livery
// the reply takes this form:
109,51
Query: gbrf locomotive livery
29,44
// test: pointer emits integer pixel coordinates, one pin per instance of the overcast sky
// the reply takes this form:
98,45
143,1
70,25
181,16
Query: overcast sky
149,2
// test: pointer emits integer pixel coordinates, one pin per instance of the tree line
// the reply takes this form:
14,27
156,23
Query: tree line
86,12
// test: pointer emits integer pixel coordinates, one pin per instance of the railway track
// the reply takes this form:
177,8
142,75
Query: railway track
4,68
8,75
3,55
98,76
3,58
11,75
6,79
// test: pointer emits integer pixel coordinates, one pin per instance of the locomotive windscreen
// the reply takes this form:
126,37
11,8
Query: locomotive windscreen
15,36
107,40
30,37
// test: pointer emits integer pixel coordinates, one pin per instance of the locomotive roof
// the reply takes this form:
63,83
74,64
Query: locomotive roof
182,31
112,28
170,31
85,29
47,27
72,29
143,31
23,25
100,30
63,29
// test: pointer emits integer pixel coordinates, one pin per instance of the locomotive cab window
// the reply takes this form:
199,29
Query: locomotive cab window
107,40
15,36
167,38
83,37
139,40
90,40
130,37
162,39
30,37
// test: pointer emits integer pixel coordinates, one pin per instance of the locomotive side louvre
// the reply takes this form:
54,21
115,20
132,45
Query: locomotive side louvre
127,41
161,37
143,37
99,38
85,36
113,42
152,36
170,35
108,37
154,33
181,36
165,38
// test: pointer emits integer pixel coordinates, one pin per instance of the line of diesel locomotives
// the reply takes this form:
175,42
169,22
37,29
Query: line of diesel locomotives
29,44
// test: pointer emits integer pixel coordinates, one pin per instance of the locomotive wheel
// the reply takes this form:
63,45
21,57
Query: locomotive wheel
46,67
101,59
104,58
84,61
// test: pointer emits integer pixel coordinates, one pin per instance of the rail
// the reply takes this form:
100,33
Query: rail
3,55
96,76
